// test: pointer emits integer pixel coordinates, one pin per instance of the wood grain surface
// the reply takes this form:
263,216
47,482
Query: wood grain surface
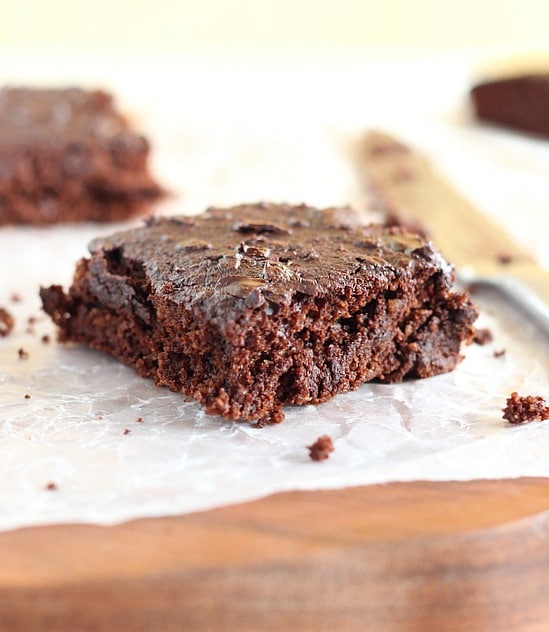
416,556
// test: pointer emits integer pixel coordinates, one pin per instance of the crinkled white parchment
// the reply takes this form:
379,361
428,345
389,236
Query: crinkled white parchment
80,427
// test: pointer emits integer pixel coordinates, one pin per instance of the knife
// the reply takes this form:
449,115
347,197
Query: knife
405,186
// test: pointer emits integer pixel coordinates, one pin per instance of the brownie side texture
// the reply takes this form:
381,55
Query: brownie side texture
520,103
68,155
250,308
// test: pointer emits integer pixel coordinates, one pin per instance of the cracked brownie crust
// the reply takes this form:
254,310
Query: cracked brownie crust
67,155
250,308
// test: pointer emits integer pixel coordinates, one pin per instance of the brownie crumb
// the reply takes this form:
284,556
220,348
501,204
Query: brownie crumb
27,396
6,322
474,288
499,353
45,339
22,353
483,336
523,409
51,487
126,431
31,321
15,297
139,420
505,258
321,448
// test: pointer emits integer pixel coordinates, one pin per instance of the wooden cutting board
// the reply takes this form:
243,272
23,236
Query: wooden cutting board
422,556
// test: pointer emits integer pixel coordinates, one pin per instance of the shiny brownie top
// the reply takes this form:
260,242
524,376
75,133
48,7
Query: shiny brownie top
251,254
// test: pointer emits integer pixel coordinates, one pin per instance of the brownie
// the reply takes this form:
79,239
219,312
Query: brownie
320,450
249,308
520,103
6,322
483,336
68,155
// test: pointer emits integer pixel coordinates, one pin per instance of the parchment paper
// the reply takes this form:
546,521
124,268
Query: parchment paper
243,133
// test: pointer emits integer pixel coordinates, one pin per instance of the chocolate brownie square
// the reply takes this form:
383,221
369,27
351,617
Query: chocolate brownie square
249,308
68,155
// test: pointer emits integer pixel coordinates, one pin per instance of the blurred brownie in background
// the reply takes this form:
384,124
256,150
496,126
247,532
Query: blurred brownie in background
519,102
67,155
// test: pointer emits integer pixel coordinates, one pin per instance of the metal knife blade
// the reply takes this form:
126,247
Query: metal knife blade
406,186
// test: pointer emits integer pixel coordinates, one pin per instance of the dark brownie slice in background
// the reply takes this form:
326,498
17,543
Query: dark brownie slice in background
68,155
520,103
253,307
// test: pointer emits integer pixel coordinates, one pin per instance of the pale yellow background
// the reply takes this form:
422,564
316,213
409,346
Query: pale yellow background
213,25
